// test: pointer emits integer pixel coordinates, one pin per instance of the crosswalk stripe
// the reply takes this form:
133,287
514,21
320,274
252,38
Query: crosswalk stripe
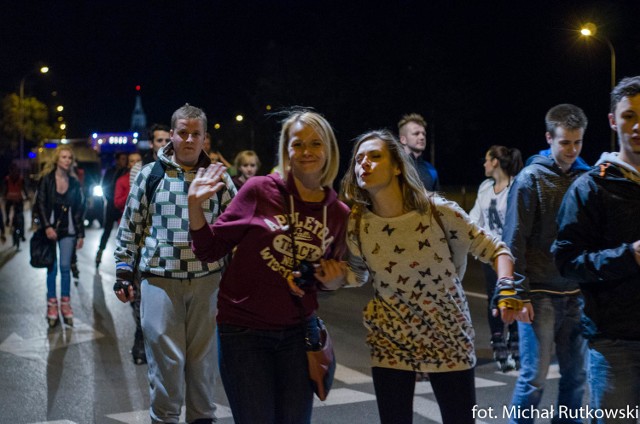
350,376
142,416
343,396
552,374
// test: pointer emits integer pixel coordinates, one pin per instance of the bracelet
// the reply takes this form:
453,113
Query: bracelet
505,283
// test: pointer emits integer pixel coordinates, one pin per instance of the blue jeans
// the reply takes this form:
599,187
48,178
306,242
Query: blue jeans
614,376
556,321
265,374
67,246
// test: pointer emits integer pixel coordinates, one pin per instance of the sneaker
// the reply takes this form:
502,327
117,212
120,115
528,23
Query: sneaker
514,349
67,312
52,312
137,351
501,353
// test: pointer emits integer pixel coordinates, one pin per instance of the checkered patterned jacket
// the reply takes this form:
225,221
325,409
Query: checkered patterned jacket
159,232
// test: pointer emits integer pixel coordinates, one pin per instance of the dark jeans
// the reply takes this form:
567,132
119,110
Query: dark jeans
111,215
265,375
614,377
18,217
455,392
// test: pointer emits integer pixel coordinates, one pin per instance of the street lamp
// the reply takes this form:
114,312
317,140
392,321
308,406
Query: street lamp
42,70
590,30
240,118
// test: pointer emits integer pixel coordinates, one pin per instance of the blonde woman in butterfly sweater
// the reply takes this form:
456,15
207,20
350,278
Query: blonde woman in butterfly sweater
412,246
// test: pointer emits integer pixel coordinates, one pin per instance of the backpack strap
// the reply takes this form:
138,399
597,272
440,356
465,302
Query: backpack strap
154,178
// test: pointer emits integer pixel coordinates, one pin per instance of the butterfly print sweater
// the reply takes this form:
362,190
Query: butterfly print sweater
419,316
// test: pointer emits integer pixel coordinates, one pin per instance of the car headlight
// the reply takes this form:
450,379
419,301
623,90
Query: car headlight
97,191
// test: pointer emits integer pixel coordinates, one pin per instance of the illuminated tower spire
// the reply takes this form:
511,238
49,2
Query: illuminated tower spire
138,117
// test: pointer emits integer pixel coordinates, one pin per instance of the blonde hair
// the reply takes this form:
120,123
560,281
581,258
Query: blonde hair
52,165
411,117
324,130
243,156
414,195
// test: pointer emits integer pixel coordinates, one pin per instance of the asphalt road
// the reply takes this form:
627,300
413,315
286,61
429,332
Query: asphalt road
85,374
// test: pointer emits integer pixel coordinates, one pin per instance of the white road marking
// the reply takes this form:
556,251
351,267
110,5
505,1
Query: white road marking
476,295
55,422
350,376
429,409
554,372
38,347
343,396
142,417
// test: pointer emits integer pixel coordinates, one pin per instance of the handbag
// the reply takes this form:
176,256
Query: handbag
43,250
320,356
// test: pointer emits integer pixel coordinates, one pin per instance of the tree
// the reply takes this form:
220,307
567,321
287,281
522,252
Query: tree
35,125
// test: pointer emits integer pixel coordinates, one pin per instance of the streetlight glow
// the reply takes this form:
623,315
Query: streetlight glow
60,108
43,70
239,118
590,30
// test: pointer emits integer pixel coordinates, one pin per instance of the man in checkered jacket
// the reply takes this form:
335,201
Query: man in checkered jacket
178,304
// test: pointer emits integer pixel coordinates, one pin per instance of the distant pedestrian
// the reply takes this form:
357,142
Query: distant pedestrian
412,246
59,209
123,185
501,165
158,137
177,290
412,131
15,194
598,245
276,224
247,165
120,200
111,213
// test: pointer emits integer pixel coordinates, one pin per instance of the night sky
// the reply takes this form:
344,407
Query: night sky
481,72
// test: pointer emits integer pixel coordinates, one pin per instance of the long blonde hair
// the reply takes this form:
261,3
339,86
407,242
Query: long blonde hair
414,195
52,165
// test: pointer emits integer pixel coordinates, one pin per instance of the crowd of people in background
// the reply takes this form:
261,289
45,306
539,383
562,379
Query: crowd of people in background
557,238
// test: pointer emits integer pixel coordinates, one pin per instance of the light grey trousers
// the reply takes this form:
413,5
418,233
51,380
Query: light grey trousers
178,322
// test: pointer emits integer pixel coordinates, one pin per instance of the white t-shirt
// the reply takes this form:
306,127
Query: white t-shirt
490,208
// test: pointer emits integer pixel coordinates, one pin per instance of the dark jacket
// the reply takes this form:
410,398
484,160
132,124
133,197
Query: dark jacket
530,223
597,225
45,202
427,172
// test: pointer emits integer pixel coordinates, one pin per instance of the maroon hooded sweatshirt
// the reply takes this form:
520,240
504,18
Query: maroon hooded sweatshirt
254,292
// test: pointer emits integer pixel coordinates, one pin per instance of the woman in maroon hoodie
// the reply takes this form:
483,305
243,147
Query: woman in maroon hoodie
277,225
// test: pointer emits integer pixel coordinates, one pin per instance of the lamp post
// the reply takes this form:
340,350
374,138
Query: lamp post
43,70
590,30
